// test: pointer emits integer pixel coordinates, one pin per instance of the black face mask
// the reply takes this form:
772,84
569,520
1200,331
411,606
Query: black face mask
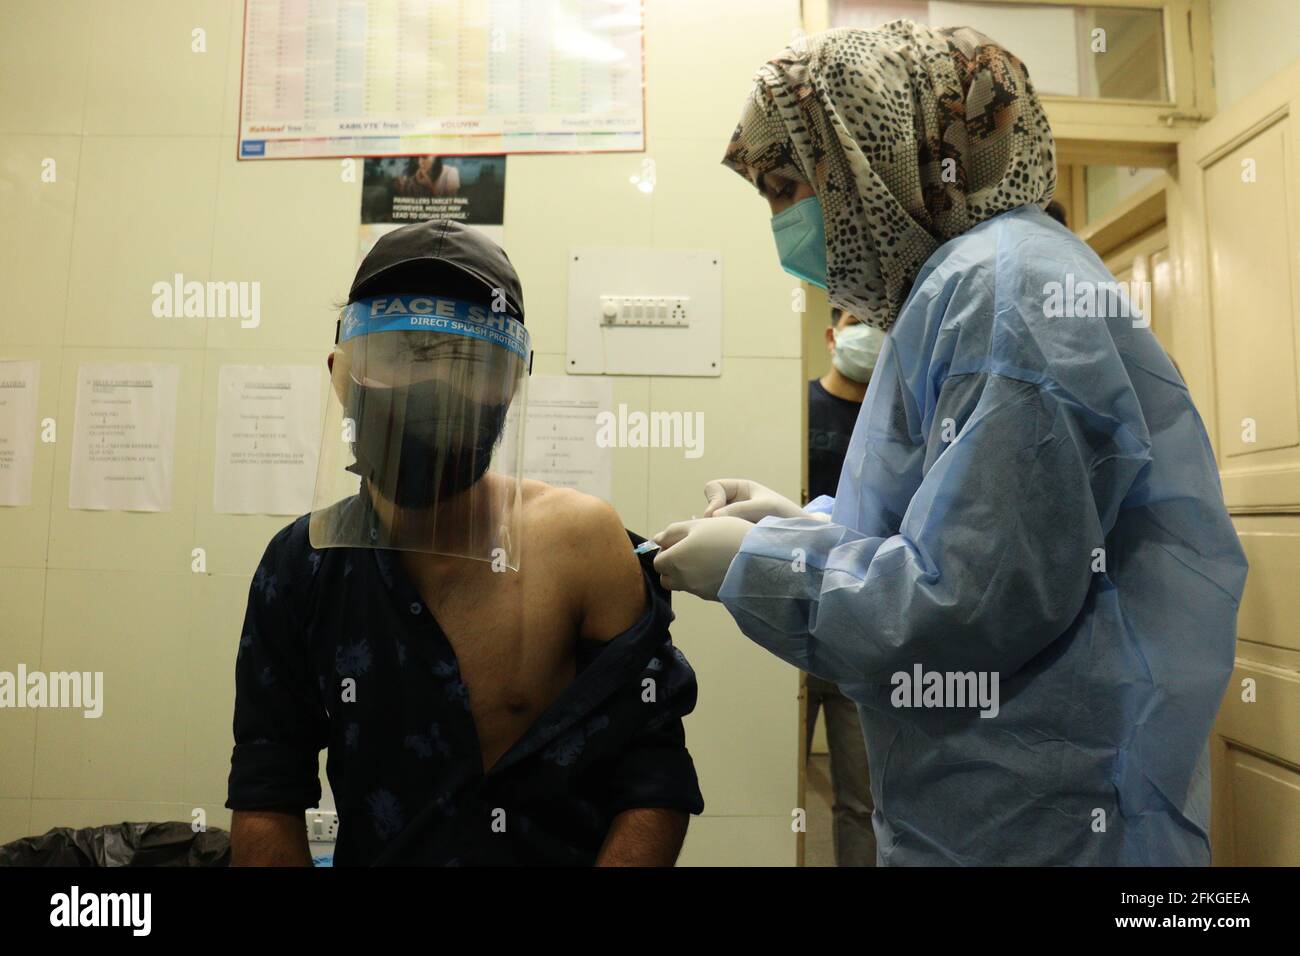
445,446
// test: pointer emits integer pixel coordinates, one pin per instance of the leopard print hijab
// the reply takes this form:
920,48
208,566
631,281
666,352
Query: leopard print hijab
908,136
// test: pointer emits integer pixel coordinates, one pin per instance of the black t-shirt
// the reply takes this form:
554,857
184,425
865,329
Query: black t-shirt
830,424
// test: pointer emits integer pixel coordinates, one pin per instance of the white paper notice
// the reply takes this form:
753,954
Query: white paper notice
561,447
124,438
268,439
18,382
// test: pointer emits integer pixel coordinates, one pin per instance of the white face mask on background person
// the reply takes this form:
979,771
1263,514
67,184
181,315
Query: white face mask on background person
856,349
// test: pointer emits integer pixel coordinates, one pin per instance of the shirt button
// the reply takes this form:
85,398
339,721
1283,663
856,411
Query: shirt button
415,607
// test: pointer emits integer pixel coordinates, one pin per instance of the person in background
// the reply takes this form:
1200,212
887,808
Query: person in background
834,401
428,176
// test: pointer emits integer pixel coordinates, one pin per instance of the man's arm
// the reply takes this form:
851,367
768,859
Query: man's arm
280,724
612,586
645,836
268,838
652,779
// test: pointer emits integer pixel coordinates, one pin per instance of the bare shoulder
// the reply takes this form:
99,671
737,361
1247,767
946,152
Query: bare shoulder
562,522
585,539
548,504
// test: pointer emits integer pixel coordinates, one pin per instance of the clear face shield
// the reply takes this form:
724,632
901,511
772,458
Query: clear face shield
424,436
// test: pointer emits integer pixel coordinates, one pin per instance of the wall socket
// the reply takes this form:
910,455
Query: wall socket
322,826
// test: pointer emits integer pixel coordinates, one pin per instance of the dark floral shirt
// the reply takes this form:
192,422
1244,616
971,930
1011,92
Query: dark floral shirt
404,763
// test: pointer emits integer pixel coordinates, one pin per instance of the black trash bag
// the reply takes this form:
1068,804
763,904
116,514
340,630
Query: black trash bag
121,844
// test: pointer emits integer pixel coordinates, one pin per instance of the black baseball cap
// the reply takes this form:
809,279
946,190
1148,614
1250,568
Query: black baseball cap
440,257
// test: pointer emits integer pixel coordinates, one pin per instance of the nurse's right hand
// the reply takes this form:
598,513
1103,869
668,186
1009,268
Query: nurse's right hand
742,498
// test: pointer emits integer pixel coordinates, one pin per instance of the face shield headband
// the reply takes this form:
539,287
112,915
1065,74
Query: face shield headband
423,313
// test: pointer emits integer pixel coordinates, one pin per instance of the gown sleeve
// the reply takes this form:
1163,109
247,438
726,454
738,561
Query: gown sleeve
995,551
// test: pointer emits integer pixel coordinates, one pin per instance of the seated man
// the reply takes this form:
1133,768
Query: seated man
480,704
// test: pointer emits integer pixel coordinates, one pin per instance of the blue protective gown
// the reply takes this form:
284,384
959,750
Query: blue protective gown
1030,497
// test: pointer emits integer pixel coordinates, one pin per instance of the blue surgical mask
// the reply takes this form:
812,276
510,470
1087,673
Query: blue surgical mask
801,240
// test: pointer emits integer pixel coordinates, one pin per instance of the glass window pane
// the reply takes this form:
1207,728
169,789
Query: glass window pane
1083,51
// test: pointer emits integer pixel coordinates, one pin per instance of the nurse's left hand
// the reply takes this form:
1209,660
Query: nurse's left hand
695,554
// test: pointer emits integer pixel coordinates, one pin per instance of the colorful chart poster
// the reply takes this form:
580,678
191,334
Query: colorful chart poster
458,77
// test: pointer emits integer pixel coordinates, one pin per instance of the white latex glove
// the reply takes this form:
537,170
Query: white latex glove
695,554
742,498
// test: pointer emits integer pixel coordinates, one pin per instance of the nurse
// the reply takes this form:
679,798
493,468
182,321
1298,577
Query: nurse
1029,509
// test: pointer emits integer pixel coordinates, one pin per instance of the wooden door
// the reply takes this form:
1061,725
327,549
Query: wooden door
1236,336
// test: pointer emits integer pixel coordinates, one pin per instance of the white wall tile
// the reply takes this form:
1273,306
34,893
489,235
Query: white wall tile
36,242
133,628
44,53
48,814
293,228
145,78
744,733
15,819
22,595
701,204
209,685
751,430
700,62
554,203
144,214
